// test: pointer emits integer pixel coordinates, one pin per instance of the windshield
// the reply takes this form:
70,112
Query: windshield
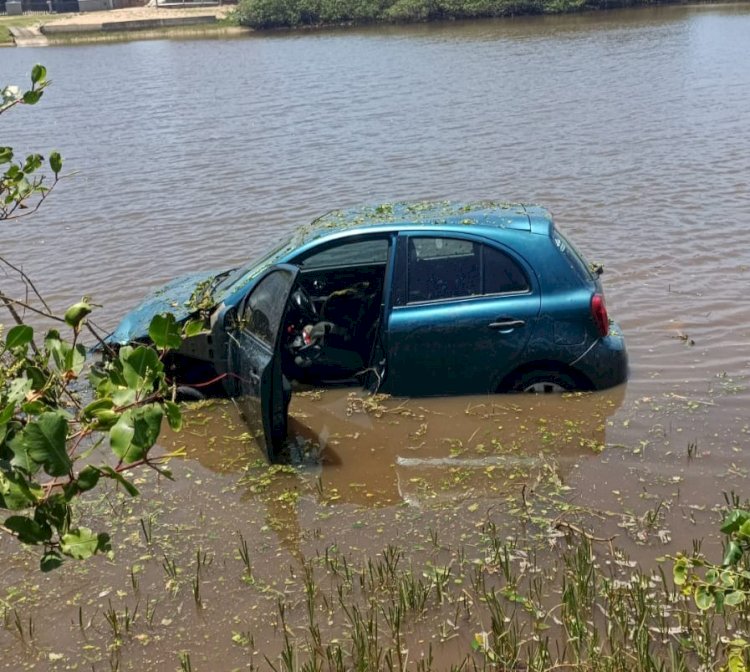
251,269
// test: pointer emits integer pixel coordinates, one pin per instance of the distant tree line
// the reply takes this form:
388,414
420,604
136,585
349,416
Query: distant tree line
291,13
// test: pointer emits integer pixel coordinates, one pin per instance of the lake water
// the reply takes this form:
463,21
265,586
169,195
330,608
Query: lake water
631,126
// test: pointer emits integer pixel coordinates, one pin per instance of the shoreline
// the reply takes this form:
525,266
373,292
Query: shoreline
118,25
214,22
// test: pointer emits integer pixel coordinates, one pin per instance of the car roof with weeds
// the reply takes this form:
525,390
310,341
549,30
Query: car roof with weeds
489,214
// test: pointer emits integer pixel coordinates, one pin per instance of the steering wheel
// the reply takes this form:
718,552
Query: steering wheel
304,305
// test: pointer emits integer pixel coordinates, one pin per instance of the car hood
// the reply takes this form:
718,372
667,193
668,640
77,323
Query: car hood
174,297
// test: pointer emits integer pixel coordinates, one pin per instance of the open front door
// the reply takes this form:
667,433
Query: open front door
255,342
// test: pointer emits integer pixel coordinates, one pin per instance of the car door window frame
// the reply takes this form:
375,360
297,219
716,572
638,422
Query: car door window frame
244,324
305,257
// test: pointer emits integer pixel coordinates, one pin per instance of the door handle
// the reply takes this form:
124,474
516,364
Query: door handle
506,324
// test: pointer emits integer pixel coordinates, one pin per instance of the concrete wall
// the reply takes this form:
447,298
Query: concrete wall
93,5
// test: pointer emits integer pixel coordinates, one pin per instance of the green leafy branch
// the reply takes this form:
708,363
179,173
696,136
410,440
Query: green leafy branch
52,427
22,187
723,585
46,431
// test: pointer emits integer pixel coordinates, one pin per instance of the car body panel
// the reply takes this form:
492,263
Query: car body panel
432,344
432,347
174,298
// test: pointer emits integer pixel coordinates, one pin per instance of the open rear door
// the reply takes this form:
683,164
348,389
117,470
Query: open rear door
255,341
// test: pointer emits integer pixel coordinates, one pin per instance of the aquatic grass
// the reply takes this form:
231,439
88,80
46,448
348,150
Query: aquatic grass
548,595
185,663
23,629
147,529
120,623
244,553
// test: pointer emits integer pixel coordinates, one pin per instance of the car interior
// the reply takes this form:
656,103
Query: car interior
332,324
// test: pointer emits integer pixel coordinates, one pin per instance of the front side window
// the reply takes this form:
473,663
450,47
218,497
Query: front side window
264,308
356,253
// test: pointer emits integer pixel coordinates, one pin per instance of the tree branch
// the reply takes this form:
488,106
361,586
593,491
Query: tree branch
28,281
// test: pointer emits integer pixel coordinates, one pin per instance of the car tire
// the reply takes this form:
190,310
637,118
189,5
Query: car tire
545,382
187,393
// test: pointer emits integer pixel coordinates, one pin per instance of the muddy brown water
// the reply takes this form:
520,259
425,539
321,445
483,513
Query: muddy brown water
631,126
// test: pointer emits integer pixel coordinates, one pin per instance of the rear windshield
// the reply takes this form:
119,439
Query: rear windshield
573,257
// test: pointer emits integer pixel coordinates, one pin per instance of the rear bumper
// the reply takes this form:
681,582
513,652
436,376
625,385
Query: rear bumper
605,364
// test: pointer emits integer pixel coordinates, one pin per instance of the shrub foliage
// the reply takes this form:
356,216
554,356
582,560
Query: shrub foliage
263,14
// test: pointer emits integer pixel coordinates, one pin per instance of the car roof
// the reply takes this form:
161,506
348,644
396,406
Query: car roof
408,214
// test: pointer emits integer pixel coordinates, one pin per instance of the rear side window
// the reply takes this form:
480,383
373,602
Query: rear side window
442,268
453,268
501,273
573,257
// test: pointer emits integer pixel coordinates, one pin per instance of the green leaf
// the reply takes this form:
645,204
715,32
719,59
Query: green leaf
106,419
679,572
14,173
19,336
18,390
55,163
744,531
37,377
6,154
136,432
38,74
27,530
65,356
703,598
141,367
45,440
88,478
21,457
75,314
732,555
193,328
163,331
32,97
90,410
54,511
734,520
34,407
50,560
174,415
33,162
734,598
124,482
82,543
16,492
7,414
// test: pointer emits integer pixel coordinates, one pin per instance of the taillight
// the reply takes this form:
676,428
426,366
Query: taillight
599,314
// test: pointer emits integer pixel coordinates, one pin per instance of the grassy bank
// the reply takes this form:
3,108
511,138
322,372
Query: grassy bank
8,22
291,13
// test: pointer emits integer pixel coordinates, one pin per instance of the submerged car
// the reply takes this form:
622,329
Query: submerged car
412,299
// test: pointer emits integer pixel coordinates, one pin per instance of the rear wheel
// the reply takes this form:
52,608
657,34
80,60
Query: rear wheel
544,382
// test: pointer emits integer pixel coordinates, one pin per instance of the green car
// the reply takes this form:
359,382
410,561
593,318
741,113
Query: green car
412,299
